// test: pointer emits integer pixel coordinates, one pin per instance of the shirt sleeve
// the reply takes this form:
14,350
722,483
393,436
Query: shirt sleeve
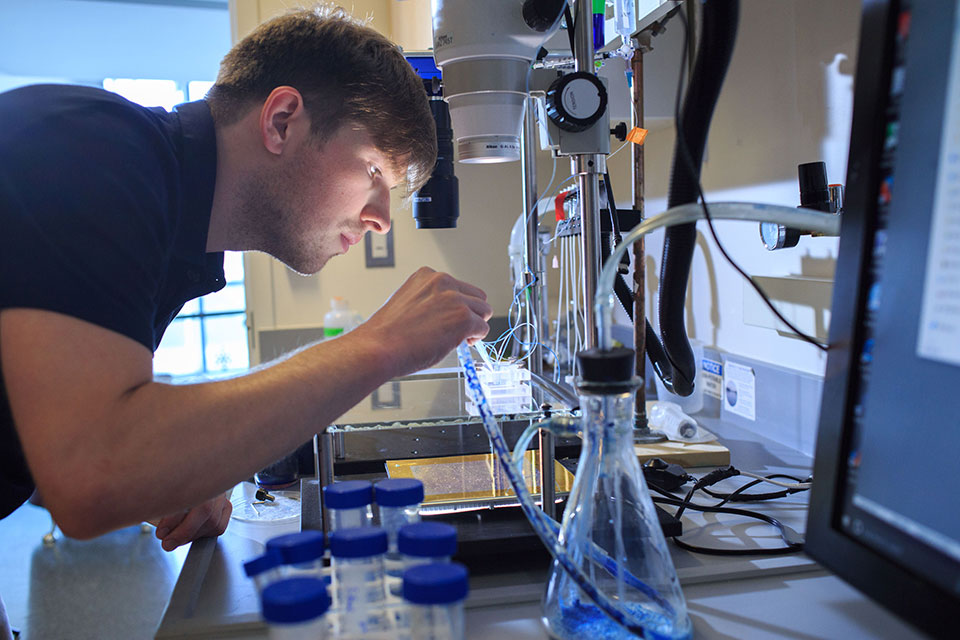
86,195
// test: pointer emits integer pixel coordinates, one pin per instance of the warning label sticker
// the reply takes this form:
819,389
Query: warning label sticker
711,377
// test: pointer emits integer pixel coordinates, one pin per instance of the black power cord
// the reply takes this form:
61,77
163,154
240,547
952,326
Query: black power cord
571,25
685,153
792,543
740,496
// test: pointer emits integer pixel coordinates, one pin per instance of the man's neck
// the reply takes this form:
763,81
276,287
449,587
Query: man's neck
236,155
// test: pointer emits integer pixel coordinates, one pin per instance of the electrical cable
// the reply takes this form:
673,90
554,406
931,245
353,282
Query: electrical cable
790,545
571,26
685,153
772,480
715,476
739,496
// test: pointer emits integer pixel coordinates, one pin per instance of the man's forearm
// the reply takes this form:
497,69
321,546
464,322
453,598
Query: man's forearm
108,446
160,439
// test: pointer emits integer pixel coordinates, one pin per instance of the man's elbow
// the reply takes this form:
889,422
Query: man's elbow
80,512
78,527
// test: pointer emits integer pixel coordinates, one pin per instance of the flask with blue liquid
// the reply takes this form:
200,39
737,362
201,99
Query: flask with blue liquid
610,526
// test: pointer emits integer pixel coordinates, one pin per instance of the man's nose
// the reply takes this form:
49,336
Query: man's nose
376,214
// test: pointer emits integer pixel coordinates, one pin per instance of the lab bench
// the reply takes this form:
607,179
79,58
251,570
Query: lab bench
123,585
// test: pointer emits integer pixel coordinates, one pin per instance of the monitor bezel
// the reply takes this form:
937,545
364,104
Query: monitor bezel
908,595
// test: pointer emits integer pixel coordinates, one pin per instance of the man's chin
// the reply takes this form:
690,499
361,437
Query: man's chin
306,267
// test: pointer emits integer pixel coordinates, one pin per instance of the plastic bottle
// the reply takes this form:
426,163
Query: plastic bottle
427,543
348,504
301,553
420,543
398,504
358,580
294,609
670,418
611,528
625,23
264,570
339,319
435,594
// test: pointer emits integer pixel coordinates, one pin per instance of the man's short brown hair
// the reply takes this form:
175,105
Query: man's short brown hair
345,71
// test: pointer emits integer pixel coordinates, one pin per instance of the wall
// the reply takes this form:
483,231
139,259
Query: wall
476,251
787,99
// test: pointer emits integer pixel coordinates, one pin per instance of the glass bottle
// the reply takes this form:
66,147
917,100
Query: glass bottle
611,530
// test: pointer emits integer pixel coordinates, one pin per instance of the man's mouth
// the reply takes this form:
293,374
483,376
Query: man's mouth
347,241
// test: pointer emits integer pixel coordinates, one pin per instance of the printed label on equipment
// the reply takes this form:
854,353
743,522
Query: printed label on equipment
711,377
740,390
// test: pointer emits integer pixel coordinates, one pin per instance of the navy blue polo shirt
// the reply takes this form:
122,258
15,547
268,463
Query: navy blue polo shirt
104,212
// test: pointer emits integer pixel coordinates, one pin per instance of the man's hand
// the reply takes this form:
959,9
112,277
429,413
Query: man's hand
426,318
206,520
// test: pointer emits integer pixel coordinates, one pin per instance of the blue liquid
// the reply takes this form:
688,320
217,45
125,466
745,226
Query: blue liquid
598,38
584,620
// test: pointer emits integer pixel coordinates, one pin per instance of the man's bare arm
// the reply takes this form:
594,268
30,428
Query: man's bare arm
109,447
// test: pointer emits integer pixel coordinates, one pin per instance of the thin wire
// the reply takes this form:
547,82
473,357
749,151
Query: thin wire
686,502
796,485
685,153
740,496
556,339
620,148
633,112
503,337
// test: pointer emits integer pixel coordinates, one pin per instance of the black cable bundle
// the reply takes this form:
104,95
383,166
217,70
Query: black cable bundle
673,358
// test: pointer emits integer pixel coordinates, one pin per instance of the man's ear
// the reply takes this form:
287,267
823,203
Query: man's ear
282,113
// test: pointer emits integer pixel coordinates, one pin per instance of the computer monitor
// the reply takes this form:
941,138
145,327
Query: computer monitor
885,506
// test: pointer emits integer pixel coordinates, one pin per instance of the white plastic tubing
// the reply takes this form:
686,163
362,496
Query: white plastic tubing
809,220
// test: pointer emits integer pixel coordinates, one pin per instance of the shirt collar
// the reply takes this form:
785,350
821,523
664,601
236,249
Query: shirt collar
198,175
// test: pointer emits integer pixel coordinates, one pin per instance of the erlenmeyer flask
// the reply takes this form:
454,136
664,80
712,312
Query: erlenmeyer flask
609,525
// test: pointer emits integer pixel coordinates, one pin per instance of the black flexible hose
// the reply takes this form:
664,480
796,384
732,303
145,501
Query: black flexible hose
714,51
653,348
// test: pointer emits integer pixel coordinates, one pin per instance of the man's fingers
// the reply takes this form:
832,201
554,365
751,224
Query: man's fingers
479,307
479,334
209,519
167,524
187,529
470,290
224,519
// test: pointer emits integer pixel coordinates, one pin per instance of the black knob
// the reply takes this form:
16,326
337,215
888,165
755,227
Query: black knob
576,101
620,131
814,193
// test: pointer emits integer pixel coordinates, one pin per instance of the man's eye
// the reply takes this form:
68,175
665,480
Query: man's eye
375,171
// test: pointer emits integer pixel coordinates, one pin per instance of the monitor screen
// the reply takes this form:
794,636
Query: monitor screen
885,510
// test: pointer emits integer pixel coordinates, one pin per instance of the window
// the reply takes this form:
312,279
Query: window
209,335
